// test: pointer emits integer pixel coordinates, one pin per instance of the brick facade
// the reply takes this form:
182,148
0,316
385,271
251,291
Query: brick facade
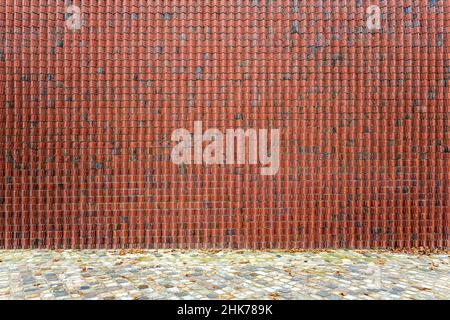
87,116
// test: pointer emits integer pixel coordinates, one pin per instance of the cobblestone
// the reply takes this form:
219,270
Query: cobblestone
176,274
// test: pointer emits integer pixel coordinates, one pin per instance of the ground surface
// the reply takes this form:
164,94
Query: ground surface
170,274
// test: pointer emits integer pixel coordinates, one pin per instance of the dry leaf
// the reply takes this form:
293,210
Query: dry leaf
381,262
274,296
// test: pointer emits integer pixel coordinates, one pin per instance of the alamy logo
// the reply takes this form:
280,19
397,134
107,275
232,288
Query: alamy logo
373,21
73,17
230,147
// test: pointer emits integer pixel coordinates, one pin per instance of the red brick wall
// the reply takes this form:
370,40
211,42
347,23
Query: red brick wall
87,114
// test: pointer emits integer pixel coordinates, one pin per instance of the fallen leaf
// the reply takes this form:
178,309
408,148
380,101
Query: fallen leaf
274,296
137,251
288,271
381,262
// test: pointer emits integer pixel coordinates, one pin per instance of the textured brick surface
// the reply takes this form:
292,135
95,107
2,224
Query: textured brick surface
86,118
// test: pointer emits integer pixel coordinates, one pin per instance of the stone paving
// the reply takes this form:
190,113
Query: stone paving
176,274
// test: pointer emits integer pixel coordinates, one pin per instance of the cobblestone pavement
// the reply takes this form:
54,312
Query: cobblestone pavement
173,274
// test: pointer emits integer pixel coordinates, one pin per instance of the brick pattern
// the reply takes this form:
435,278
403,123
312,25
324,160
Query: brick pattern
86,117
